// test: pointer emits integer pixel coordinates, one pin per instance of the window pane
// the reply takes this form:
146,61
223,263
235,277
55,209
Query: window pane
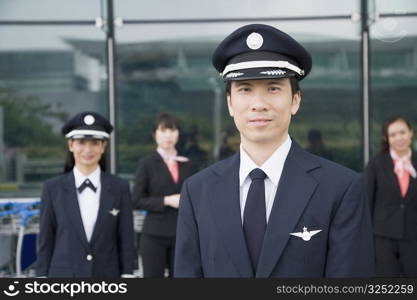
49,10
396,7
329,122
188,9
168,68
47,74
393,73
160,73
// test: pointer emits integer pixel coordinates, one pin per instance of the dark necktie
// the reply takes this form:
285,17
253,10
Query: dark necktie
254,216
85,184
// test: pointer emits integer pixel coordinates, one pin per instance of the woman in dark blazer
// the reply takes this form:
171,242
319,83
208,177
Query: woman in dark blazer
157,188
392,191
86,226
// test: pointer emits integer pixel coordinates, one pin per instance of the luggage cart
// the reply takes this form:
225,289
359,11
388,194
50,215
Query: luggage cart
29,224
18,218
6,239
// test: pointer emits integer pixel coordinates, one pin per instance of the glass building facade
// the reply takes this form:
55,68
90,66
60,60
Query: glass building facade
130,60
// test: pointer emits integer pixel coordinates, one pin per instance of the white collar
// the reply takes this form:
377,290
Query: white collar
94,177
272,166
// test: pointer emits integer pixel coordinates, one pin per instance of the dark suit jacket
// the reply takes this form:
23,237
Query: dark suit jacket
312,192
153,182
392,215
63,245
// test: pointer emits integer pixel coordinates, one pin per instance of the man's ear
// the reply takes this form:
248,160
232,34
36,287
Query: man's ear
296,101
229,105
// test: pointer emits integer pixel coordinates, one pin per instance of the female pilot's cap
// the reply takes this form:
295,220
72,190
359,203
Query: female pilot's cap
259,51
87,125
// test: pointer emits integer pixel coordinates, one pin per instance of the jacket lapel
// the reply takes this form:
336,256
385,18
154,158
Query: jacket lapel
183,171
73,208
106,205
388,165
159,161
295,189
225,208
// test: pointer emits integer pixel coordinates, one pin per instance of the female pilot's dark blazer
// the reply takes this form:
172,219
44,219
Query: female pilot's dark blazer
153,182
64,250
392,215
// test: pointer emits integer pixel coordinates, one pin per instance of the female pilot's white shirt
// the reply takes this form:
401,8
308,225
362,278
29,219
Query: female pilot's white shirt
88,200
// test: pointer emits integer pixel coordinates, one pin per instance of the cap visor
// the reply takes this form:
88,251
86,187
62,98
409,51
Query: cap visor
85,133
87,137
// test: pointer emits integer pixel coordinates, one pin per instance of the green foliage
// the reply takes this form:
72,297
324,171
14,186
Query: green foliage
57,152
25,120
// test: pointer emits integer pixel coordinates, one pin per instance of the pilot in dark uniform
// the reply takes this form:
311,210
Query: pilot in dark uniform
86,226
272,209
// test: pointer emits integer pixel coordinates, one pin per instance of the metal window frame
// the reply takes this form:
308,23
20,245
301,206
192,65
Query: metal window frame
111,46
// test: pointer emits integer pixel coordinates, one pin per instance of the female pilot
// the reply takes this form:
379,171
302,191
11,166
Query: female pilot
86,226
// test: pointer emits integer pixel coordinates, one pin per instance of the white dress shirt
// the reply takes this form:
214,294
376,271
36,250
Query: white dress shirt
273,169
88,200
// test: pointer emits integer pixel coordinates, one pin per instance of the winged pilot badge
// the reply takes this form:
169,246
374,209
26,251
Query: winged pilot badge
114,212
305,235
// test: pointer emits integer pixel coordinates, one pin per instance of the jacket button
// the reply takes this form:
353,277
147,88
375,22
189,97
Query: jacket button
402,205
89,257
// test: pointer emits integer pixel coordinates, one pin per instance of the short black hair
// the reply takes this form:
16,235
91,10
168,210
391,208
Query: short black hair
165,120
295,86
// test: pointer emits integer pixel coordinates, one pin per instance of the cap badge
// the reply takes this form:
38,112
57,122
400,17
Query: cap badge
254,41
89,120
273,72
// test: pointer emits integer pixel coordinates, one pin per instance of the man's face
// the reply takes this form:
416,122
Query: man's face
262,109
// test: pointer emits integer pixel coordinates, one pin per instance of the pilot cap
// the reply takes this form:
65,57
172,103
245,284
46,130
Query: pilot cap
87,125
259,51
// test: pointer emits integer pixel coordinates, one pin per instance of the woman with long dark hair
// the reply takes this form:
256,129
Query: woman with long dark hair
392,191
158,182
86,226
